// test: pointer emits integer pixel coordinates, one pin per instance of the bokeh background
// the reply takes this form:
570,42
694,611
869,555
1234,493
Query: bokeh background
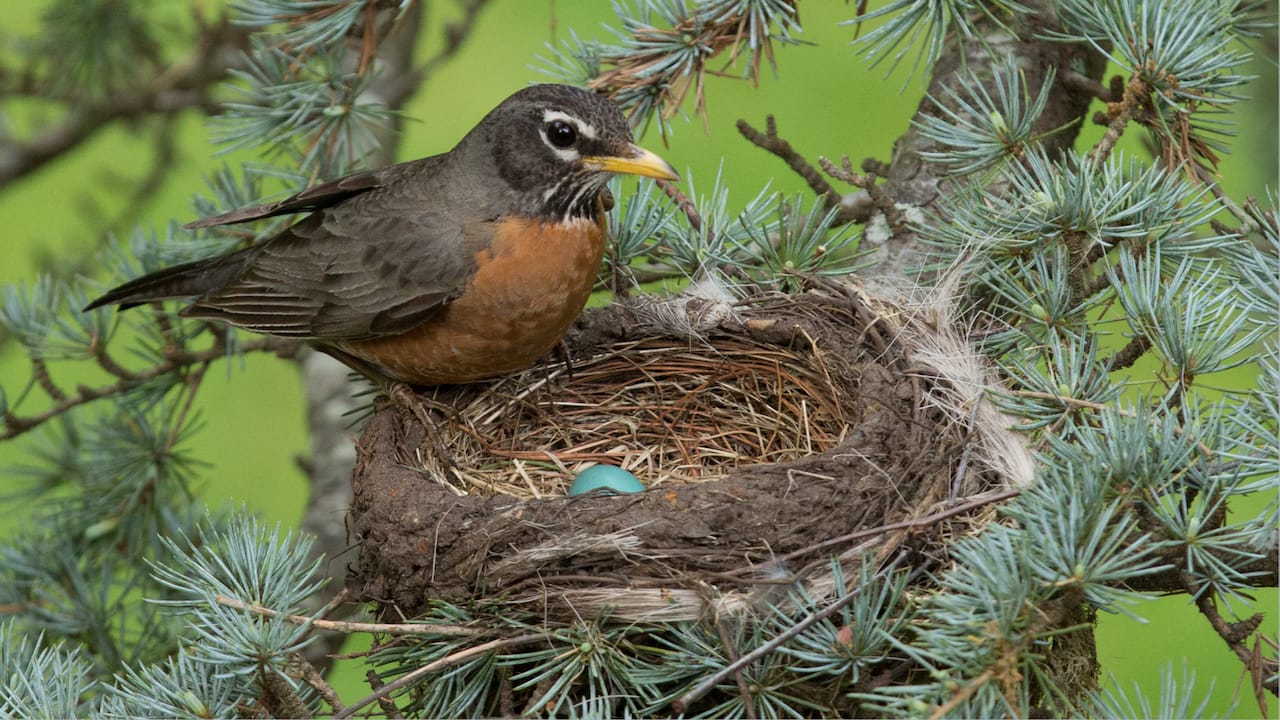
827,101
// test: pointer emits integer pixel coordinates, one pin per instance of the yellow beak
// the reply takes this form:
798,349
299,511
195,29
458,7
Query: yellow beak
640,162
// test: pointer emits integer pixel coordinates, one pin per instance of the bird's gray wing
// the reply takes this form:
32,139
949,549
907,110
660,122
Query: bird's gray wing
375,264
311,199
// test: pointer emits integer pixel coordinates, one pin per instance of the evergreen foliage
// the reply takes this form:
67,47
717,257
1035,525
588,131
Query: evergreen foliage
129,599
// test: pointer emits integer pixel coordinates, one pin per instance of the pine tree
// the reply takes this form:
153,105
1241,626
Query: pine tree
1069,265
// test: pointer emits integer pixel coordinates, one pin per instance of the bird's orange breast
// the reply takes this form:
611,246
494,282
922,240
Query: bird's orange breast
530,284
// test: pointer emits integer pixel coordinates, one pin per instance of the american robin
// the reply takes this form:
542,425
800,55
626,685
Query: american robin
448,269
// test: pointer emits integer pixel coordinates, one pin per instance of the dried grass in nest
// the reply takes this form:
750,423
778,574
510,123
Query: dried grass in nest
660,408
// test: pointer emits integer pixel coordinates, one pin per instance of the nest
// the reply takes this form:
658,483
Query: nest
771,433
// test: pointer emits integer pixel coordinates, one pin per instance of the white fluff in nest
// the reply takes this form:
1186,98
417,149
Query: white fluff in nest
935,341
702,306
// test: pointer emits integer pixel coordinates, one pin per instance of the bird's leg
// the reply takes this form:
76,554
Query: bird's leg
567,353
405,396
399,393
402,394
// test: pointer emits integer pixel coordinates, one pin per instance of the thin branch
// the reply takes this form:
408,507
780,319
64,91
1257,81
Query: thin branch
40,371
1247,223
388,706
1084,83
15,425
964,693
1077,402
17,160
1129,354
455,35
686,206
308,674
108,363
191,385
1136,94
917,523
861,208
770,142
731,651
347,627
444,662
1234,634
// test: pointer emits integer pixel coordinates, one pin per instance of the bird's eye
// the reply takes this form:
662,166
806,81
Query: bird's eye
561,134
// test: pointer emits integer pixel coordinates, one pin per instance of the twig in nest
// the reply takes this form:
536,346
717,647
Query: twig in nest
770,142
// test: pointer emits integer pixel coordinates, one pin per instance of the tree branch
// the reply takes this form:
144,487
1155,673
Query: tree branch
681,704
1136,93
770,142
177,88
1235,635
444,662
15,425
1129,354
347,627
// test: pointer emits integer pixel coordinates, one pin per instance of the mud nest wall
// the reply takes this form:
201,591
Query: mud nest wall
768,433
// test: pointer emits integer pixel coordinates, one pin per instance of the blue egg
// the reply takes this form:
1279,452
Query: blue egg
605,479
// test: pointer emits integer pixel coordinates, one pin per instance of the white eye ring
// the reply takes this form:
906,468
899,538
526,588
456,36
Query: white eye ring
584,129
566,153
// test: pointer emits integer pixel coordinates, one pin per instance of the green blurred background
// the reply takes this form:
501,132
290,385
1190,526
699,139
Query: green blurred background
827,102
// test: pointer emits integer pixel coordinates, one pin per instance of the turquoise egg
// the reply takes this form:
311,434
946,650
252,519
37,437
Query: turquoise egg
606,479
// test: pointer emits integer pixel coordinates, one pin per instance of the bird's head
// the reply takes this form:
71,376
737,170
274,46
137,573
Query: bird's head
557,145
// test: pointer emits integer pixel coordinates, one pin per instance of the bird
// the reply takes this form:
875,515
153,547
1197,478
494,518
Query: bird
449,269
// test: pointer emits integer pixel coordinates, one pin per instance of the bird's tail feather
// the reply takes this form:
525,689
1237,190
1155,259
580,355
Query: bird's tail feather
185,280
